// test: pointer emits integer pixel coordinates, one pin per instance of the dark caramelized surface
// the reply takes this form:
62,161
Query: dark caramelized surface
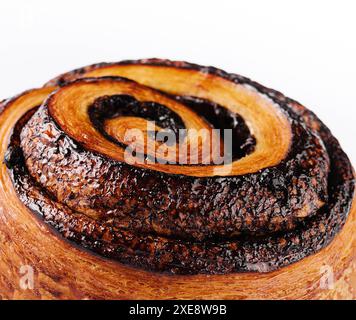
183,224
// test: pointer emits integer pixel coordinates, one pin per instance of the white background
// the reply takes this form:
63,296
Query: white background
306,49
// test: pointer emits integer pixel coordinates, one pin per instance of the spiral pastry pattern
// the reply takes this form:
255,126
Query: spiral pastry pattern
285,194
